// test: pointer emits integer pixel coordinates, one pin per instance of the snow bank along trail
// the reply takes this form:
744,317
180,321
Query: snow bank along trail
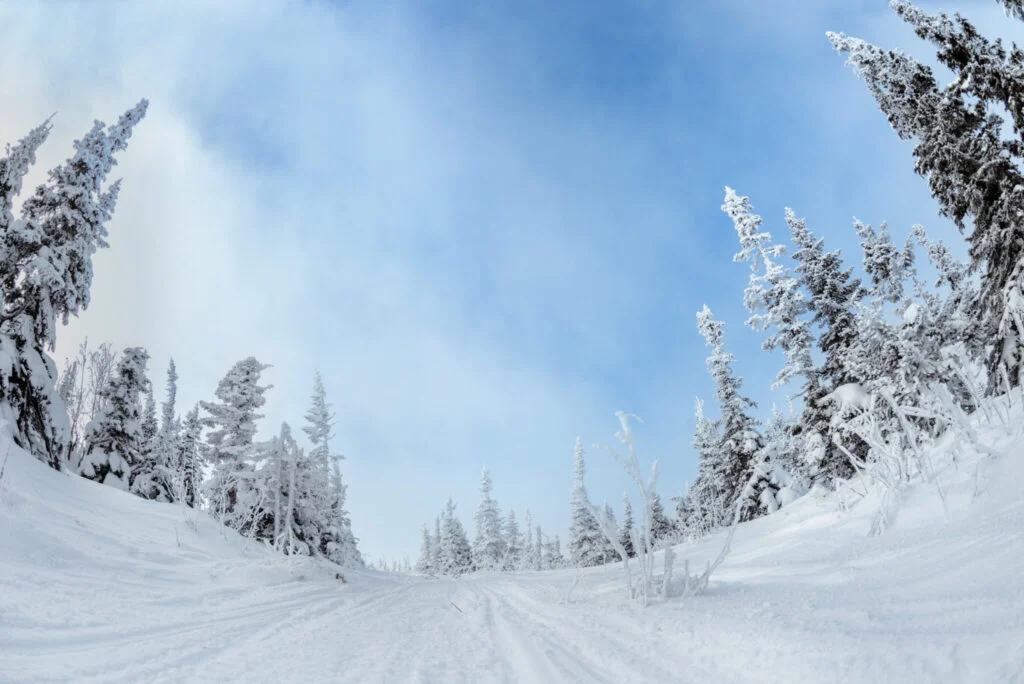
100,586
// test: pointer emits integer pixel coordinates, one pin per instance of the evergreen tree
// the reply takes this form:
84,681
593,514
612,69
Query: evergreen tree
188,459
834,297
740,441
527,560
168,411
553,558
149,422
488,546
436,544
456,556
538,550
46,272
973,170
608,552
425,563
114,438
586,541
662,530
328,490
774,296
232,427
706,495
626,531
513,543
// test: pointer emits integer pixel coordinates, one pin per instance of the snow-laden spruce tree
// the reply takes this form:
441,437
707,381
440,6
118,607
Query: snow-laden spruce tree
626,531
231,422
586,542
608,552
513,543
553,558
456,555
425,563
114,438
662,529
164,452
488,546
436,544
156,473
740,442
538,549
707,509
970,158
527,561
188,458
328,489
46,272
834,295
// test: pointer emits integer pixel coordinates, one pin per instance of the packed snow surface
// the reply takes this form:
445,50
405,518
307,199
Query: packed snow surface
100,586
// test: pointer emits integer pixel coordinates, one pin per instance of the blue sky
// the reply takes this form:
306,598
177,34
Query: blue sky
489,225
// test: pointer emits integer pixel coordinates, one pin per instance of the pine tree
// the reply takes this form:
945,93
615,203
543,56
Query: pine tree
834,297
608,552
114,438
46,272
337,542
740,441
538,550
232,427
456,556
974,172
513,543
774,296
707,496
155,475
626,531
662,530
488,546
527,561
586,541
188,459
553,558
425,563
436,544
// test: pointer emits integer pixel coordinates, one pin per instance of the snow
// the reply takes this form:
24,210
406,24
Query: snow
98,585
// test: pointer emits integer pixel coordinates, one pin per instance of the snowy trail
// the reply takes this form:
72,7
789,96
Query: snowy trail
99,586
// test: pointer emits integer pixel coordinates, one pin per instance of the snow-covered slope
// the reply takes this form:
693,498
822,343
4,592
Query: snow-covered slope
97,585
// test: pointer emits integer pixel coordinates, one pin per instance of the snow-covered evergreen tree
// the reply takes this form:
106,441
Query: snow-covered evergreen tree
527,562
46,272
586,542
973,169
488,546
425,563
834,295
232,427
456,555
626,531
608,553
327,488
436,544
538,550
513,542
188,458
740,441
553,558
662,529
114,438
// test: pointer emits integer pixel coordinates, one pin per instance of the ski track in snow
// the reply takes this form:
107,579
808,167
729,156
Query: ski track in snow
99,586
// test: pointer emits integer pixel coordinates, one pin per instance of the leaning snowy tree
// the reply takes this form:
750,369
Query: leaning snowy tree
114,439
232,425
46,272
971,159
740,442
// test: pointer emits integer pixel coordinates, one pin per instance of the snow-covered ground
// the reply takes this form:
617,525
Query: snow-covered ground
97,585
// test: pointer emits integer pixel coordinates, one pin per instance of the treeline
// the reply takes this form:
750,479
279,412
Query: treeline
99,418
